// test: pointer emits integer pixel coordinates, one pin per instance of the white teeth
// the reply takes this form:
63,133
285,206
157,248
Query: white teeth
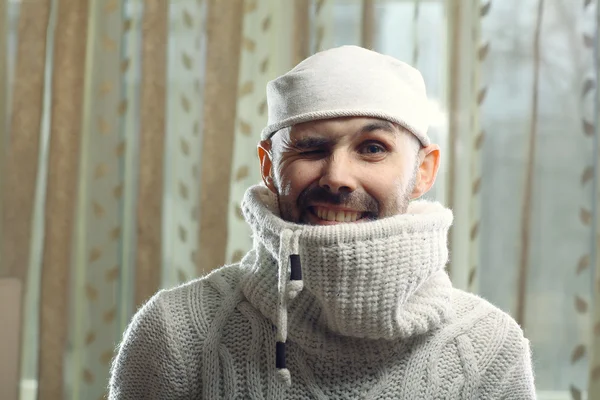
331,215
339,216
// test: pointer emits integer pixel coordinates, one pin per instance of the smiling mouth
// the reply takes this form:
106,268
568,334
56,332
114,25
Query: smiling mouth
331,215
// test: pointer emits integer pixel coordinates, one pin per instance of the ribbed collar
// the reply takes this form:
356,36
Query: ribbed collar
381,280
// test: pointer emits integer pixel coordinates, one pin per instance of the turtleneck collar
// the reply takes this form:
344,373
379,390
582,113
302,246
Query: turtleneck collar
381,280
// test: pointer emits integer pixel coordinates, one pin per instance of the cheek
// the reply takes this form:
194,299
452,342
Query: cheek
387,186
383,187
295,177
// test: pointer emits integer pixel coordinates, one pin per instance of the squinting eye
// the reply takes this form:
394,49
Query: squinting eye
312,153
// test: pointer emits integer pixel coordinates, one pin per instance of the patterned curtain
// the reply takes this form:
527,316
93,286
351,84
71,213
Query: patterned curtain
129,132
538,201
186,63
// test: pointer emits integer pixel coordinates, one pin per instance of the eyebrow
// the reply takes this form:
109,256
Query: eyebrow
384,126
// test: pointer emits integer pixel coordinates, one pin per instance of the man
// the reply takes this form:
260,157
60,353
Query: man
344,293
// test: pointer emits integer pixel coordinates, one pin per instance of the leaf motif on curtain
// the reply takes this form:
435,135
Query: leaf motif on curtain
581,305
578,353
583,264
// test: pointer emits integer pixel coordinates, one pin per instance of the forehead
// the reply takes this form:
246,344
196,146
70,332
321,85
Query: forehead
342,127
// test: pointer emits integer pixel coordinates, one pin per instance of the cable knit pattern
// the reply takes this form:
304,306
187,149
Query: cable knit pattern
377,319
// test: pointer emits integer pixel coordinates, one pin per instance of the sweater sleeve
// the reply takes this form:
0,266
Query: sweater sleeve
149,364
519,381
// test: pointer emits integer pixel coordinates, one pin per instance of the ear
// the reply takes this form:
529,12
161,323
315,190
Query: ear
429,163
266,164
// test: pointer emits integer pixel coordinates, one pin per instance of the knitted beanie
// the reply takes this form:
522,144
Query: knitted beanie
349,81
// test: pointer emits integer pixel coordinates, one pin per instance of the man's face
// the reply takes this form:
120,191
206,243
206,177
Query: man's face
342,170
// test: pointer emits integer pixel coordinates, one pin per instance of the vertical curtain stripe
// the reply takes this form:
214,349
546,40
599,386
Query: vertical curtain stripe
593,388
130,68
367,35
301,31
64,146
152,139
21,158
11,336
454,27
3,113
183,142
529,177
324,26
220,104
594,363
415,31
99,221
476,140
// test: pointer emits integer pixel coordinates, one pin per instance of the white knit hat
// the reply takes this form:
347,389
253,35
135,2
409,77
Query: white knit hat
349,81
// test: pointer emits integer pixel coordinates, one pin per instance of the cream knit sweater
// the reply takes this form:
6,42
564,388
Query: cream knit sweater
373,317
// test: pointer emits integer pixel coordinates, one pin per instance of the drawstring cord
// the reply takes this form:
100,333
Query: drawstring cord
289,285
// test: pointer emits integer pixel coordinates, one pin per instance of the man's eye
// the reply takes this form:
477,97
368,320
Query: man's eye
373,148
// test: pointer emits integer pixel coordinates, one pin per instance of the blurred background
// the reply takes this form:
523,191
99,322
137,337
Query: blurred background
129,132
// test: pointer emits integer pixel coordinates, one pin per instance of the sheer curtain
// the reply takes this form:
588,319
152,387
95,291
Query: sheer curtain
538,196
130,131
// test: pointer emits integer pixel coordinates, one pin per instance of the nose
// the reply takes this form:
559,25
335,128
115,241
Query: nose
337,175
